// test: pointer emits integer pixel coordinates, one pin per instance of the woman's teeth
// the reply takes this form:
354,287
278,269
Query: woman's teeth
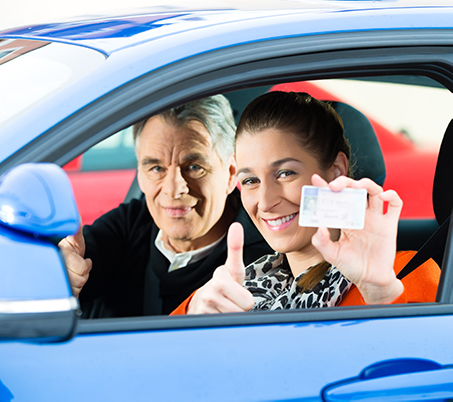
278,222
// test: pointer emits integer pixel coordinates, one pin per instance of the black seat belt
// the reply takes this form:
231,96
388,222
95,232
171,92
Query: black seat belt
434,248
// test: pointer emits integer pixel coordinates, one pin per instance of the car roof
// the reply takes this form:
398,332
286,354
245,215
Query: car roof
110,33
139,43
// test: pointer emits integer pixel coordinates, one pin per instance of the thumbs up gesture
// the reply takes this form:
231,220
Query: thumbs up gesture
73,248
224,293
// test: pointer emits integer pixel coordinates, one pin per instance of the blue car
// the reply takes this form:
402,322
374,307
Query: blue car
65,88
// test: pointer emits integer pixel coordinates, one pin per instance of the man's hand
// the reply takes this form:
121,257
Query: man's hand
73,248
366,256
224,293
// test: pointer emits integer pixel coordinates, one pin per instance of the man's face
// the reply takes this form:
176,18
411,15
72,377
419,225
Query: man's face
184,182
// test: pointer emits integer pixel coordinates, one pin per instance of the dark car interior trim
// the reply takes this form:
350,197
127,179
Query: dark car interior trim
39,327
260,318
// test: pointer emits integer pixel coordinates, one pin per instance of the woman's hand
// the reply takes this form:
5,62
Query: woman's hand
225,293
366,256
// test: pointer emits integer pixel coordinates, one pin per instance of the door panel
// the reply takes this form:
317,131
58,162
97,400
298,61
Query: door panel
260,362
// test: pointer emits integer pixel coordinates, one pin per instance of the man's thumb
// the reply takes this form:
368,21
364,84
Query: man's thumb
75,242
235,243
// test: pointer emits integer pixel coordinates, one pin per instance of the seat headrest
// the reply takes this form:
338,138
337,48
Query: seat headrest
366,153
442,187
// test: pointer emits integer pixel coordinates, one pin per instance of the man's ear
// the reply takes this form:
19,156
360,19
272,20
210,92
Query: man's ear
340,165
139,180
232,170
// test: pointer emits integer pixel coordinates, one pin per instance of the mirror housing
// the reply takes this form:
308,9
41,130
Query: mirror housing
36,301
37,198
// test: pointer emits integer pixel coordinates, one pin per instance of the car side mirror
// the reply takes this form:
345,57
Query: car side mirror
36,206
37,198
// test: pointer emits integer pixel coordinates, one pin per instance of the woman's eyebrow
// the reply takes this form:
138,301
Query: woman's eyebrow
243,170
274,164
284,160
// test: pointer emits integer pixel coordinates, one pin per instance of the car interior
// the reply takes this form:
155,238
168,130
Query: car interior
368,161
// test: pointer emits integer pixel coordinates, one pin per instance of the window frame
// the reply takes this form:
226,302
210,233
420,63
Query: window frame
344,55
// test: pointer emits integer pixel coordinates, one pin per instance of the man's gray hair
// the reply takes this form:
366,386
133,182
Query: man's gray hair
214,112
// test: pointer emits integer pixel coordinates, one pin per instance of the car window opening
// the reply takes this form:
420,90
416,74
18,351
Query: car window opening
397,140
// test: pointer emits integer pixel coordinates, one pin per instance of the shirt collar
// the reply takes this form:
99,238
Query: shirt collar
181,260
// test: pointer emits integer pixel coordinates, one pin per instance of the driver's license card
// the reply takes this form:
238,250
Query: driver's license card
345,209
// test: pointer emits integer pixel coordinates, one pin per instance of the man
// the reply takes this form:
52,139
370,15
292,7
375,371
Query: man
149,255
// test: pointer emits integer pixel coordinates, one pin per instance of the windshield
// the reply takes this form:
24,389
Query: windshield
54,66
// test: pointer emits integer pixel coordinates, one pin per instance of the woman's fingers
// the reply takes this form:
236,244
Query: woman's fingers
225,293
321,240
395,203
376,194
222,294
366,256
235,245
215,303
226,285
318,181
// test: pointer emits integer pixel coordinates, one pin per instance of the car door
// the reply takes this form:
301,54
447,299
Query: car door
371,352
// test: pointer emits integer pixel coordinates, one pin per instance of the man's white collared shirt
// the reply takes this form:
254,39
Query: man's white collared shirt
181,260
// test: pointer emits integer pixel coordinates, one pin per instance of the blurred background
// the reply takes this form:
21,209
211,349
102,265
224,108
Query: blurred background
14,13
26,12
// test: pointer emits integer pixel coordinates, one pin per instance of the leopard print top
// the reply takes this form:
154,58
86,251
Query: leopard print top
273,286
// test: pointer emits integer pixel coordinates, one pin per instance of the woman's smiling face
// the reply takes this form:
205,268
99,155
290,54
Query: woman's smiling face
272,168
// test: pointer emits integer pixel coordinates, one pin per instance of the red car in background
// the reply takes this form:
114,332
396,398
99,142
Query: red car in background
103,175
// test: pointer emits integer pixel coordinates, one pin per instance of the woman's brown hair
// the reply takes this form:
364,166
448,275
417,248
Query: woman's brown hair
315,125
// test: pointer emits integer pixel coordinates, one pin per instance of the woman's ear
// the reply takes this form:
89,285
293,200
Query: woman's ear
340,165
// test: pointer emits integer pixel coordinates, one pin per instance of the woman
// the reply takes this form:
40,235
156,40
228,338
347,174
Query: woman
283,142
